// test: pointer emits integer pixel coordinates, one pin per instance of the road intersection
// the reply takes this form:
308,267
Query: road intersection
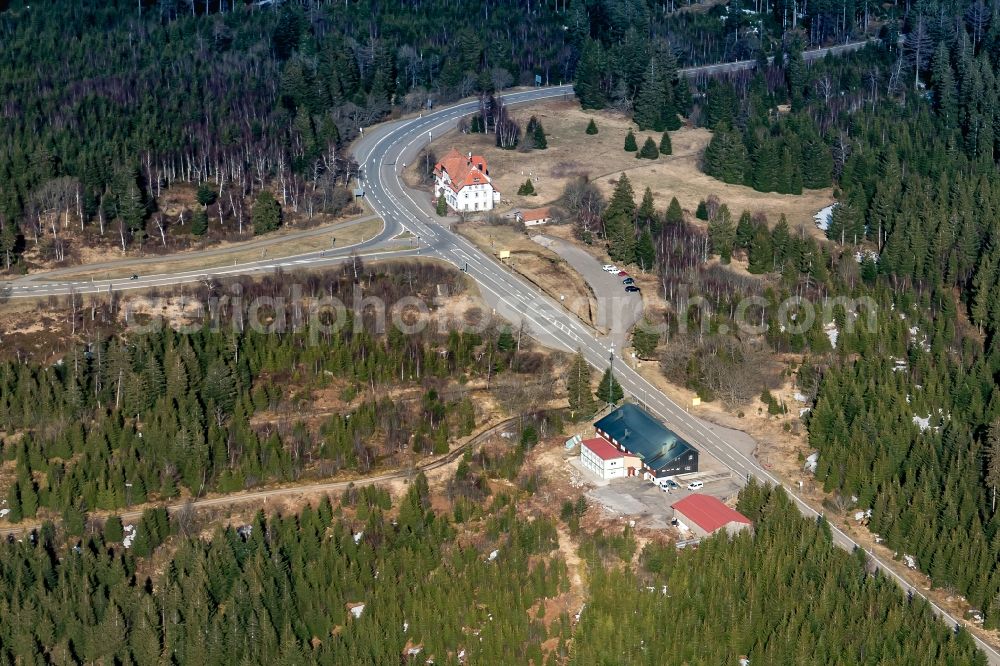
381,152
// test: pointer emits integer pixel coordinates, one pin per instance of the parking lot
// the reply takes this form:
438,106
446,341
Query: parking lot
642,500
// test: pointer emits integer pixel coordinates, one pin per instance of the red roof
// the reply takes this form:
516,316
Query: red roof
708,513
463,170
535,214
602,448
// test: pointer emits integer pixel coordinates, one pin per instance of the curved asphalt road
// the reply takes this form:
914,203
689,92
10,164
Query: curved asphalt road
381,152
384,150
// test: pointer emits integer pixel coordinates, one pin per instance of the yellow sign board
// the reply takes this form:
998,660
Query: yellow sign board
504,254
695,401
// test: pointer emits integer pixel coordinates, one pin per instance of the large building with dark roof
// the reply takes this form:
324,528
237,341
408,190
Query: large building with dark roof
661,452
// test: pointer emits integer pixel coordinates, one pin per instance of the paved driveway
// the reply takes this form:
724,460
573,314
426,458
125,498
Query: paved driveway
617,310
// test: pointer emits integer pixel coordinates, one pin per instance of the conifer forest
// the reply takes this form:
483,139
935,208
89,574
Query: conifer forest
434,499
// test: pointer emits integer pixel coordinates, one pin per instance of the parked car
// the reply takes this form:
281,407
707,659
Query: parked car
628,281
622,274
631,288
673,485
696,485
610,268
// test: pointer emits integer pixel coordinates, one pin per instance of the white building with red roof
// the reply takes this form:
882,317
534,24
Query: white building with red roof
465,182
605,460
705,515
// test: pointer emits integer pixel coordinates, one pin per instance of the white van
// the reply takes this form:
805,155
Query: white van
696,485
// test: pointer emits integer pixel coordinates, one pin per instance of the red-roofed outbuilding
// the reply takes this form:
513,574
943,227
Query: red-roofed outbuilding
705,515
606,460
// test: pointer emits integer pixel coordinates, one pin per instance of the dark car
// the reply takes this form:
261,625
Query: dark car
628,281
631,288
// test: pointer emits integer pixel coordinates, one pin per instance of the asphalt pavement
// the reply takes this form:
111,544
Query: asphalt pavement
381,152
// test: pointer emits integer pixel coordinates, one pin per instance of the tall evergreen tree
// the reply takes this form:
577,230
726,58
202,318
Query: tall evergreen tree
609,390
649,104
581,398
674,215
722,233
588,76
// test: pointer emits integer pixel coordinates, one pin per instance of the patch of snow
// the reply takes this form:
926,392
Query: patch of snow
832,333
861,255
4,512
406,625
801,398
493,556
129,531
803,411
911,562
923,422
357,537
823,217
356,610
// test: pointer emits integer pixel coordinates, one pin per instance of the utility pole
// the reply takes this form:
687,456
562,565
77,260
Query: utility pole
611,374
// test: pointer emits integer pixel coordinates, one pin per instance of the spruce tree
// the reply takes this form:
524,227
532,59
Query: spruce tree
588,76
702,211
666,148
649,102
527,188
206,194
993,461
645,340
581,398
645,251
199,222
722,233
114,532
761,255
541,143
609,390
630,144
646,215
266,213
591,127
744,231
726,156
649,150
442,206
675,215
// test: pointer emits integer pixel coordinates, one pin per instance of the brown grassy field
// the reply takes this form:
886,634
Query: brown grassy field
572,152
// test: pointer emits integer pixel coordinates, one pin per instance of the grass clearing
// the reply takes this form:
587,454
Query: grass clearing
572,152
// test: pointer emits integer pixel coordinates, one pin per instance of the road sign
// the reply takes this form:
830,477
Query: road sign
538,79
504,254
